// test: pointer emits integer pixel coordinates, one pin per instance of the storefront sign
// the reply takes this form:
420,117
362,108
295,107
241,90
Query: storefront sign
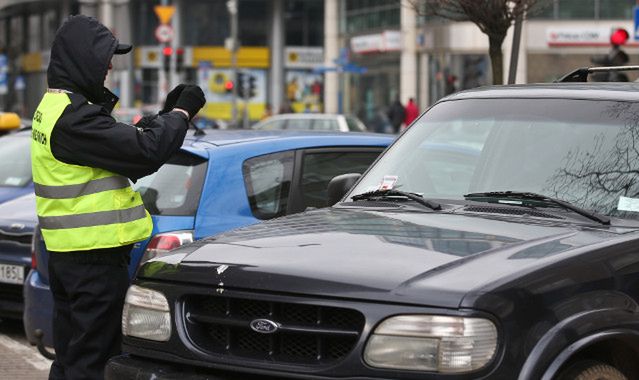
300,57
559,37
389,40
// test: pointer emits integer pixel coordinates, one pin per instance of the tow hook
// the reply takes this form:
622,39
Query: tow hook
40,344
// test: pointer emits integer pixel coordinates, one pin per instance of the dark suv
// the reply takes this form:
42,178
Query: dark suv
497,238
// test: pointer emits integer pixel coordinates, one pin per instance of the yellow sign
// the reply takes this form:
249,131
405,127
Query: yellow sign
164,13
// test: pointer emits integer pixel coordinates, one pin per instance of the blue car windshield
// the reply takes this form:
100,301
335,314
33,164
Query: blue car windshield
15,161
581,151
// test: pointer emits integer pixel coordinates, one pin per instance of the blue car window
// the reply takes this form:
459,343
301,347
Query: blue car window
319,168
174,189
15,161
268,181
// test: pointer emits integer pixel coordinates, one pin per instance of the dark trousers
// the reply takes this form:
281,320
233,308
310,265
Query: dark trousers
88,293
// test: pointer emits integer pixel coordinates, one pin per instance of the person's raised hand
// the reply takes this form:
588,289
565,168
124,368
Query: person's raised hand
171,98
191,100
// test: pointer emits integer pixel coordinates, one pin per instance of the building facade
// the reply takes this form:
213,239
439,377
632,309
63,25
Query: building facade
348,56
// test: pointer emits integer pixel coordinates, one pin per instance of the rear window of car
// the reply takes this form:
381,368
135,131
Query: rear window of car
15,161
354,125
325,125
174,189
319,168
268,180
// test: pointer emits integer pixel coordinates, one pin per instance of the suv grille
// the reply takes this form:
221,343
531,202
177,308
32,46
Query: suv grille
306,334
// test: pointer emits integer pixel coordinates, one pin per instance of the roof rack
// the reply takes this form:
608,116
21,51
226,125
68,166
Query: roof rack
581,74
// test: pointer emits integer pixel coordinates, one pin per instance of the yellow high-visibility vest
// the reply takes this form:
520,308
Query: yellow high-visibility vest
79,207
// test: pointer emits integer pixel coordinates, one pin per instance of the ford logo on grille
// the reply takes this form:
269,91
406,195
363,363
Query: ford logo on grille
264,326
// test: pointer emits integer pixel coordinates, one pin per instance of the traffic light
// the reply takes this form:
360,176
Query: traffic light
179,59
615,57
251,86
241,84
228,86
166,58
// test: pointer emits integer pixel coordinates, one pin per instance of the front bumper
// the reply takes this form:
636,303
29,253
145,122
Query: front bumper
127,367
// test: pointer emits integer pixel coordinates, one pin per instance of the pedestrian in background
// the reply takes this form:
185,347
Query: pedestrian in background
411,112
396,114
82,160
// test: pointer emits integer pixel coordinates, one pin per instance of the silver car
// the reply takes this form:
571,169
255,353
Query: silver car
312,122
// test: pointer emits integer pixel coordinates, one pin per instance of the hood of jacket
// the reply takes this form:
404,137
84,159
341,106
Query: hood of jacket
80,57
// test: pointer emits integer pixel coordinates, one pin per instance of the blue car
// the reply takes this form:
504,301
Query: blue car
220,181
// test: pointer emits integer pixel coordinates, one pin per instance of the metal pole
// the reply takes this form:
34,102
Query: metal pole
514,54
232,8
162,77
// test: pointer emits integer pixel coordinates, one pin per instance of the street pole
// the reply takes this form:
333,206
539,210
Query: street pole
514,54
162,77
232,8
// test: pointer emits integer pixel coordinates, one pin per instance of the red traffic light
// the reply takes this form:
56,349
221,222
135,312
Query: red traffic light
619,36
167,50
228,85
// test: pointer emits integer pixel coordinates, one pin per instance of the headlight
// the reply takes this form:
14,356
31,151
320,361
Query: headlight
432,343
146,314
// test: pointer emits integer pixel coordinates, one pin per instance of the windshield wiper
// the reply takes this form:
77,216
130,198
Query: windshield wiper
397,193
542,198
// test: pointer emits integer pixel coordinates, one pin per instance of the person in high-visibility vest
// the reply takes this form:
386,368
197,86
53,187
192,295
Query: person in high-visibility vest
90,217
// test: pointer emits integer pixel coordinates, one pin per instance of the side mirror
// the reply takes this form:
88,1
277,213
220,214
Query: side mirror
339,186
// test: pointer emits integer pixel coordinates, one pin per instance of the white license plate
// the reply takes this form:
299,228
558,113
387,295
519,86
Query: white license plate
11,274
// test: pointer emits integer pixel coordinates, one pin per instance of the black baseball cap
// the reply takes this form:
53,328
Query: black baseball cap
123,48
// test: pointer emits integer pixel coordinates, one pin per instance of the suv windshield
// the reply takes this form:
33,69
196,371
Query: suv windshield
15,161
580,151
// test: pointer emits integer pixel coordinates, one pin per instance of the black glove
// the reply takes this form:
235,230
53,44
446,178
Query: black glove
191,100
171,98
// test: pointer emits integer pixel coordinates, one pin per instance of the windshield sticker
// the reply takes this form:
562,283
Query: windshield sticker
628,204
388,182
13,181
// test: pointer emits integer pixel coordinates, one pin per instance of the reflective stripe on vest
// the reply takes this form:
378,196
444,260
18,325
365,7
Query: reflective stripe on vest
80,208
87,188
92,219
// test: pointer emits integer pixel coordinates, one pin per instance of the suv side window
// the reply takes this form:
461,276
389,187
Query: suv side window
319,167
268,180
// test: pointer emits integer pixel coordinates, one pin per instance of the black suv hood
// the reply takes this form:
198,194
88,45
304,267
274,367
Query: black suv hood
426,258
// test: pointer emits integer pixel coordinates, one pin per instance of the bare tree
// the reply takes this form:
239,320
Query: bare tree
493,17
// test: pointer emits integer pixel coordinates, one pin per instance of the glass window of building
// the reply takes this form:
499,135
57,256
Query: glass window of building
145,22
16,31
205,22
367,15
49,27
35,33
577,9
304,23
616,9
254,22
586,9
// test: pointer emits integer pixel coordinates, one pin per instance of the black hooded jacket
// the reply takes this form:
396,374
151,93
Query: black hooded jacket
86,134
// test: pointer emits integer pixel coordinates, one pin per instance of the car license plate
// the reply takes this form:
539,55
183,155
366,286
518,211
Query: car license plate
11,274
